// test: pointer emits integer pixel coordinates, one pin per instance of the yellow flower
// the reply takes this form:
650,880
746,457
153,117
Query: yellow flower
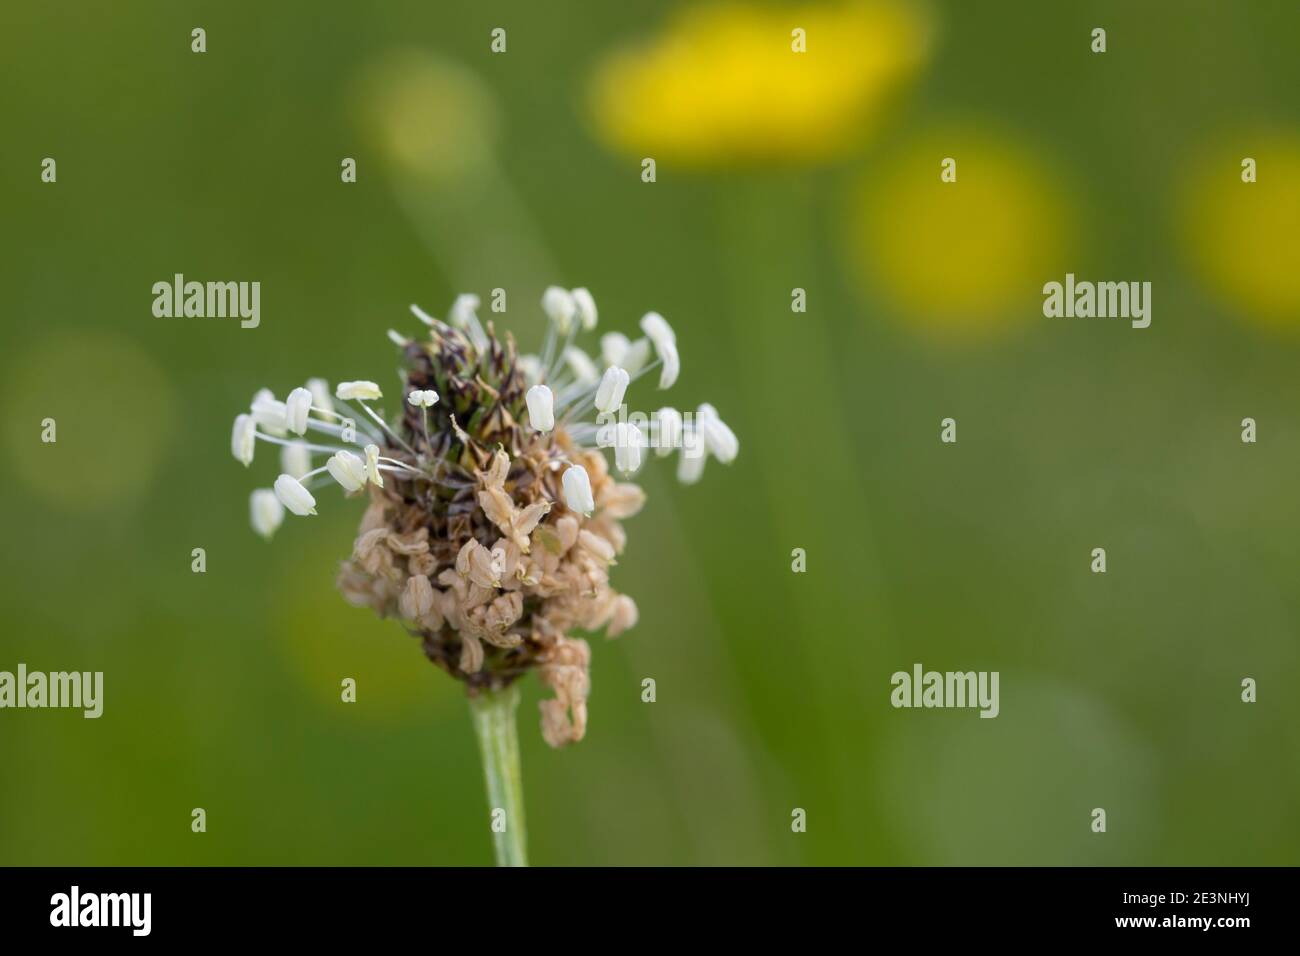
1243,238
966,258
724,84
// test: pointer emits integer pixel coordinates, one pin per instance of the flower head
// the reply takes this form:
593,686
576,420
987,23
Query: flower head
493,520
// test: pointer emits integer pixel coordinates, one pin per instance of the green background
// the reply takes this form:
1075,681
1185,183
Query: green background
1118,691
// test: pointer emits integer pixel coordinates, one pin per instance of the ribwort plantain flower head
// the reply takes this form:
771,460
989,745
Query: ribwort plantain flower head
491,519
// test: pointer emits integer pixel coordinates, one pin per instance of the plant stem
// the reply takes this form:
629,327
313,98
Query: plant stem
498,742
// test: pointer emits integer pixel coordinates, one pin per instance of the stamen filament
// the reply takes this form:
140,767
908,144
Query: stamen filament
384,425
337,430
326,449
553,366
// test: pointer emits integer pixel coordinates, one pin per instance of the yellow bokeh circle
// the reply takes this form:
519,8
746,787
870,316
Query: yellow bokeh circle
113,414
966,258
1243,238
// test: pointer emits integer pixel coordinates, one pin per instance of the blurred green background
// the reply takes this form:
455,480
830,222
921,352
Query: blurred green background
478,171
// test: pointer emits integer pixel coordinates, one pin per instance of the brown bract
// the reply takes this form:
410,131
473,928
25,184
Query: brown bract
488,567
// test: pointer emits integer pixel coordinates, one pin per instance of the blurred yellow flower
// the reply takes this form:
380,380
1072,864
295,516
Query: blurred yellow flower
432,119
1244,238
966,258
724,83
114,417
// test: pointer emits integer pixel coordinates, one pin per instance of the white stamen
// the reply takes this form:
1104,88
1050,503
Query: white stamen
397,338
284,442
531,367
294,496
690,466
463,316
541,408
348,470
581,365
574,384
577,490
559,307
269,413
295,459
422,398
265,512
657,329
669,421
613,348
627,447
361,390
638,354
720,440
328,428
613,386
586,308
672,364
383,425
243,439
320,395
297,408
372,465
463,311
659,332
617,349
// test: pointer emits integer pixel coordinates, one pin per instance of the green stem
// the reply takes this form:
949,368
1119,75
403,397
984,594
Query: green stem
498,742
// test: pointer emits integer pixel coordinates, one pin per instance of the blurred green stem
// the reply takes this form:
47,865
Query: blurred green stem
498,742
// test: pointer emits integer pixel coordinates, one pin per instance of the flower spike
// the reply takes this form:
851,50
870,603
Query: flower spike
494,517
